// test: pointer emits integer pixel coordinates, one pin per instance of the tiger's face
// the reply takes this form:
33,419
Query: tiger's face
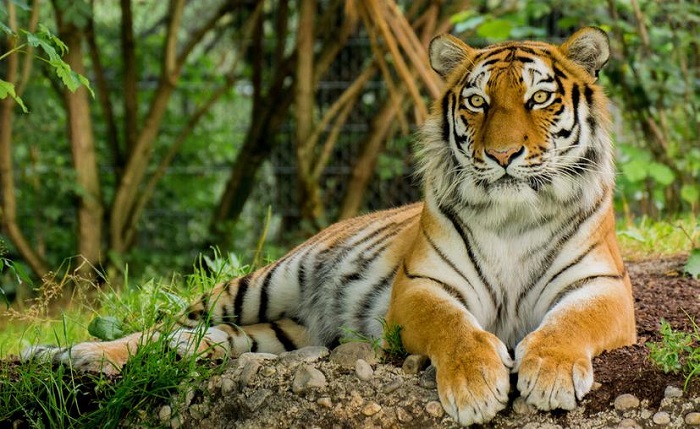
524,120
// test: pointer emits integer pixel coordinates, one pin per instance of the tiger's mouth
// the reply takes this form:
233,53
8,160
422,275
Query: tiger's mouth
510,183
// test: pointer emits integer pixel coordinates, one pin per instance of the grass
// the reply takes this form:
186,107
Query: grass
678,351
644,237
56,396
389,344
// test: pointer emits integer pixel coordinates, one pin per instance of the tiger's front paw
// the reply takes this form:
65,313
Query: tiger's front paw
473,381
552,376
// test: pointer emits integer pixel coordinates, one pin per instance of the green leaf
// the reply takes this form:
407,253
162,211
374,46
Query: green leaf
692,266
497,29
7,89
690,193
635,170
105,328
661,173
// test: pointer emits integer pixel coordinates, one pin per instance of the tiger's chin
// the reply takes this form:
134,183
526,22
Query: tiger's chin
509,189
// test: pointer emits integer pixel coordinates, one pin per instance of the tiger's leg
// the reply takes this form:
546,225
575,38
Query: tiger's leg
554,361
473,366
213,342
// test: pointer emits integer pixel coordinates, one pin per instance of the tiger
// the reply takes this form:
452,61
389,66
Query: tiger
509,265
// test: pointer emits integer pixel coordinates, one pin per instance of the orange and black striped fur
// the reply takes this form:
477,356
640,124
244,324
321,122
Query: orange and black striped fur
510,264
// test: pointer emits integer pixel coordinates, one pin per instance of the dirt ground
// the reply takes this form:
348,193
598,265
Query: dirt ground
315,389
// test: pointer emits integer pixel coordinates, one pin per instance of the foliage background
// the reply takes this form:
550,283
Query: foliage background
259,80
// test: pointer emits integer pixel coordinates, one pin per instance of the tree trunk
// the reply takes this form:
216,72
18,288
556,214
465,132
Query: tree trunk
80,133
309,192
7,182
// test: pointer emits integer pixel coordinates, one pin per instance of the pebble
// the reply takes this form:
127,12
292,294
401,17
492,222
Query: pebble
347,354
363,370
268,371
392,386
308,377
371,409
661,418
199,411
673,392
692,419
248,373
258,398
626,402
305,354
428,379
165,413
403,416
244,358
434,408
629,424
175,422
227,385
325,401
521,407
415,364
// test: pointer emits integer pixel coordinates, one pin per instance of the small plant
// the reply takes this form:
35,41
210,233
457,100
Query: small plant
393,346
677,352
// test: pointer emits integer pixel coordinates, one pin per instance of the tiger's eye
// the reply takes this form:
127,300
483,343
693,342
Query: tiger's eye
477,101
540,97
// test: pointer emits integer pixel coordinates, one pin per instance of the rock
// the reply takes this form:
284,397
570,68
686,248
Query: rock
521,407
308,377
403,416
244,358
268,371
325,401
629,424
363,370
306,354
199,411
227,385
371,409
692,419
434,408
248,373
392,386
661,418
428,379
673,392
415,364
165,413
626,402
256,400
347,354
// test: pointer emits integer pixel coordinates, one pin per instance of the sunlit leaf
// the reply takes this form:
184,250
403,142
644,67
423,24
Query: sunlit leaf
661,173
497,29
635,170
691,193
7,89
692,267
105,328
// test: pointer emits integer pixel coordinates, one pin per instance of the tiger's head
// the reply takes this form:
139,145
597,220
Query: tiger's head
519,122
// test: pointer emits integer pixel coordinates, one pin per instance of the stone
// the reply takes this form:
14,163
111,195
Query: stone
626,402
692,419
392,386
428,379
434,408
325,401
661,418
673,392
227,385
165,413
403,416
306,378
268,371
415,364
521,407
255,401
248,373
305,354
371,409
244,358
199,411
363,370
347,354
629,424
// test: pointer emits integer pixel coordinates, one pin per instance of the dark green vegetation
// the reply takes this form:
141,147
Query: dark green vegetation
677,352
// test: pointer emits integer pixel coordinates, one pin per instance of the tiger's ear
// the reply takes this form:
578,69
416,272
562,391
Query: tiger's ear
447,52
589,47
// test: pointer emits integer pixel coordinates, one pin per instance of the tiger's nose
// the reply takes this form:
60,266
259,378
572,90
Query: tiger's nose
504,156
